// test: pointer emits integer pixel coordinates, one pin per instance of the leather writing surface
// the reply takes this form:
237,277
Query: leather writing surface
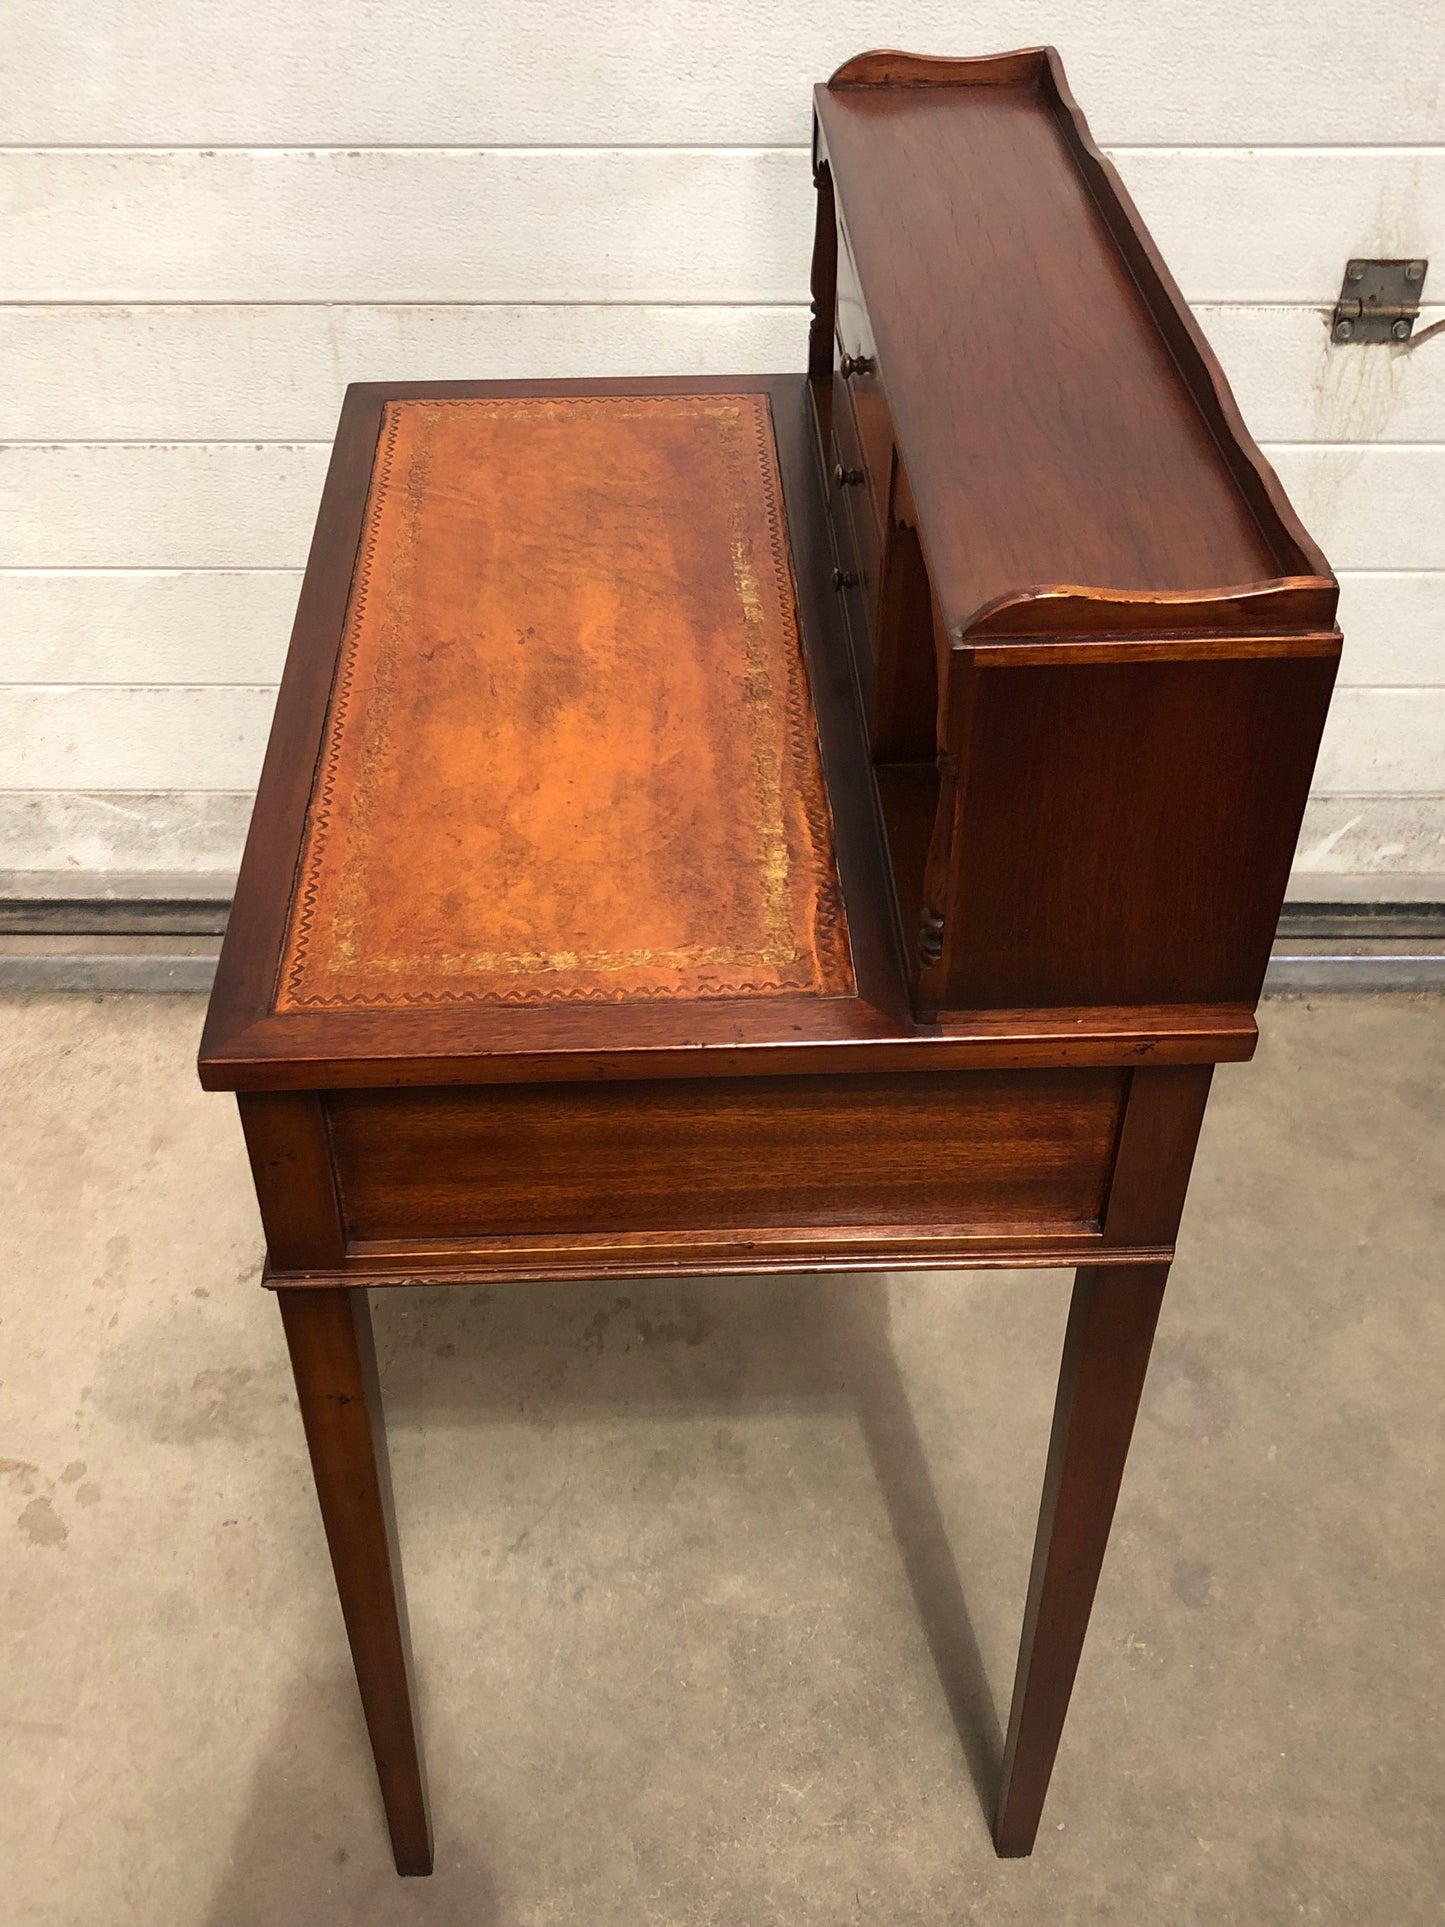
571,752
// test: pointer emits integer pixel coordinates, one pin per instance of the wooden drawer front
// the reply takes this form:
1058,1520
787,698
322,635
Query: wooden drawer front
854,330
860,388
868,499
1022,1150
853,511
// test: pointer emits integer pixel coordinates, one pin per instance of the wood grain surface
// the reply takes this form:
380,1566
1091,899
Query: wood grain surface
1021,1150
1069,453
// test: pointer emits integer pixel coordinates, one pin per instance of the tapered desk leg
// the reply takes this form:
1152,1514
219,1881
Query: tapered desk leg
334,1359
1106,1354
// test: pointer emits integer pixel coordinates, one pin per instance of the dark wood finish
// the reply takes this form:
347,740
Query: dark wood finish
1187,620
334,1361
785,823
539,1257
848,474
1015,1039
1106,1354
290,1156
1093,445
823,278
1059,884
250,955
1015,1150
1162,1116
1078,500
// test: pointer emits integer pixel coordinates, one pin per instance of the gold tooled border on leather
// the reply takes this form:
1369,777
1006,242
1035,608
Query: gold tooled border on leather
833,973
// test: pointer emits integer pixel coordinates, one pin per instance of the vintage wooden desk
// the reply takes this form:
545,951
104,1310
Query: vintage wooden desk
784,824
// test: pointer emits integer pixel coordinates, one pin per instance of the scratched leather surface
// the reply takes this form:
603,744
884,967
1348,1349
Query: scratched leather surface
571,752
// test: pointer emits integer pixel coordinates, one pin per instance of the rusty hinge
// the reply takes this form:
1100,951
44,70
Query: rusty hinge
1379,300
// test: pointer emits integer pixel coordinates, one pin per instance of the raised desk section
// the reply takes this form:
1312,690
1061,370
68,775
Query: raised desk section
1093,644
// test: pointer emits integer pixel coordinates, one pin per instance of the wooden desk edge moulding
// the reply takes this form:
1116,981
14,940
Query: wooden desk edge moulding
831,821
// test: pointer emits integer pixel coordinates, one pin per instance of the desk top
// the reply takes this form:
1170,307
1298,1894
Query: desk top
566,763
567,778
571,753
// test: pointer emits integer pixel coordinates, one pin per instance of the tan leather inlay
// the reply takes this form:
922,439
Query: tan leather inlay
571,752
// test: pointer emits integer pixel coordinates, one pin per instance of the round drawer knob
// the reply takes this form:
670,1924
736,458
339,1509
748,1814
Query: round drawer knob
847,477
852,365
845,578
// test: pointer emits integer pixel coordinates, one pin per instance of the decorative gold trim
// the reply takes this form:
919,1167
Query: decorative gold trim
832,961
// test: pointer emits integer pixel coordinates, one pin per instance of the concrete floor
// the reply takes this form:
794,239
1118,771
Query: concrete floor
690,1565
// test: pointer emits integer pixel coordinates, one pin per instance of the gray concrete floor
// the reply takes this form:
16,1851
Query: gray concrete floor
715,1587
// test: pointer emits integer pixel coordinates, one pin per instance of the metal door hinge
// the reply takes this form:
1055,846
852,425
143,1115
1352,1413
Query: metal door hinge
930,938
1379,300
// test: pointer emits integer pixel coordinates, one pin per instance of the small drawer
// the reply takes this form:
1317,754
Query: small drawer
868,406
851,504
858,386
867,498
861,634
854,330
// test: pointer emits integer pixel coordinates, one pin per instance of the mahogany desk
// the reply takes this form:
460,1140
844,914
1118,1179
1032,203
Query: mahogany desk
811,822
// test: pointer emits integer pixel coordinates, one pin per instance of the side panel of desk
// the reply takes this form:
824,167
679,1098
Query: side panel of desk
1121,817
681,1176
